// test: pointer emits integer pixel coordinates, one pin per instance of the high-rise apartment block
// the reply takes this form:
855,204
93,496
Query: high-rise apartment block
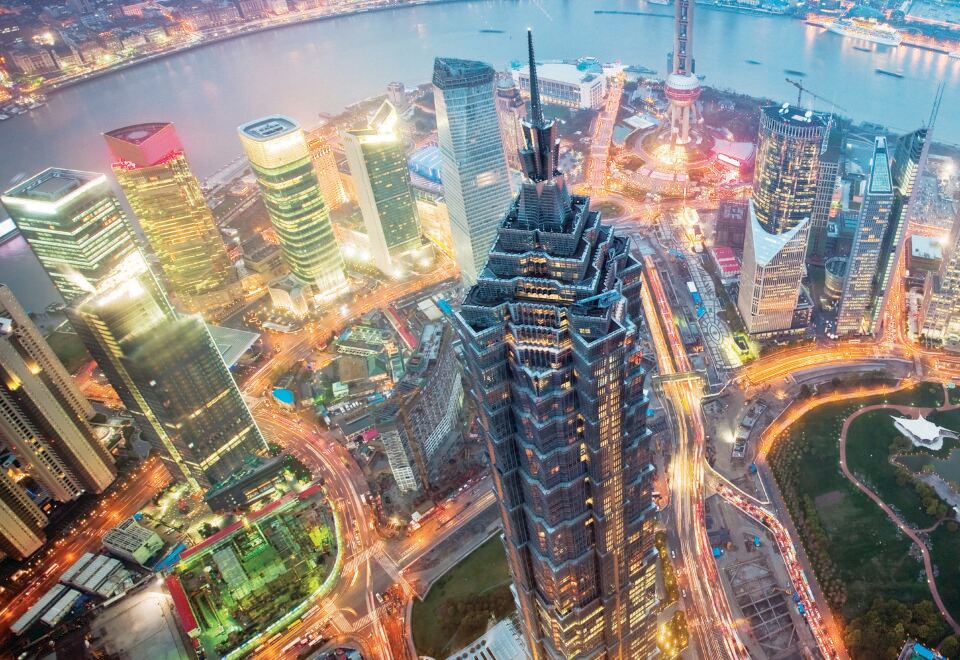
784,190
853,316
381,178
476,183
21,521
553,360
425,413
280,158
511,110
166,198
43,416
75,226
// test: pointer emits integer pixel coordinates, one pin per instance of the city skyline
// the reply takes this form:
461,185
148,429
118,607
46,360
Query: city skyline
530,363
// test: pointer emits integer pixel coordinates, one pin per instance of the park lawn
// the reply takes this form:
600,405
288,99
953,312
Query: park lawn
868,457
954,394
861,554
944,550
483,579
69,349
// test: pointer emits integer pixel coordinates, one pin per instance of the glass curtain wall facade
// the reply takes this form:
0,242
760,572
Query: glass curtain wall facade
278,153
75,226
381,178
476,183
853,317
552,359
784,192
152,169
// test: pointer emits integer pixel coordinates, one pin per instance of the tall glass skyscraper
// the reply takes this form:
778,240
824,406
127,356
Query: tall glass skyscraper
553,360
43,416
169,374
75,226
476,183
278,153
784,191
150,164
855,301
909,161
382,181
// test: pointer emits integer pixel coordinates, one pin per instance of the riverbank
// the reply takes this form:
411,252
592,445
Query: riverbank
264,25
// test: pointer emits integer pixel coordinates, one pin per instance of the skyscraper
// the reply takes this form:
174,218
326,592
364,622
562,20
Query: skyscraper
778,225
827,179
169,374
476,183
553,361
424,414
909,161
382,181
21,521
940,311
150,164
511,110
74,225
43,416
325,163
280,158
853,317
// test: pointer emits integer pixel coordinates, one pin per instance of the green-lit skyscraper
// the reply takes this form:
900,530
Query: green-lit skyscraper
74,224
382,181
165,367
278,153
169,374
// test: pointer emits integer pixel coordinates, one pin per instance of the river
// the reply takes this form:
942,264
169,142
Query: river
322,66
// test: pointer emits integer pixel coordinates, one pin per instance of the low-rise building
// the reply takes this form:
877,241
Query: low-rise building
132,541
580,85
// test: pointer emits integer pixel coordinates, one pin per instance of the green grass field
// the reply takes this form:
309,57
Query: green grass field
460,603
857,552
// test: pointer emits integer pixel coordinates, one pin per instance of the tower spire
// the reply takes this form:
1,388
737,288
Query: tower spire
535,108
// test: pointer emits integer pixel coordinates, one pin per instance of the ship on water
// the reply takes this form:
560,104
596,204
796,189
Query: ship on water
866,29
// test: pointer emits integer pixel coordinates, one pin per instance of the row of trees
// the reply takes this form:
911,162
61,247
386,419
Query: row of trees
882,631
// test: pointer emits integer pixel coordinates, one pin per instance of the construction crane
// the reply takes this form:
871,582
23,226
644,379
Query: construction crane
801,89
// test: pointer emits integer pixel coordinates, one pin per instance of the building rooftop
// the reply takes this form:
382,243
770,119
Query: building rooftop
143,145
767,246
564,72
52,186
231,342
451,73
794,116
269,128
925,247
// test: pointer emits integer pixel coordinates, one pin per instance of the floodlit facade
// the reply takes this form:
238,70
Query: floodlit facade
21,521
682,87
940,312
856,300
511,110
328,172
828,178
43,416
784,190
280,158
552,358
169,374
476,184
580,85
909,162
152,169
381,178
425,411
74,224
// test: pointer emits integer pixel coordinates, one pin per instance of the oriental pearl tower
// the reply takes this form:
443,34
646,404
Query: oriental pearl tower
682,87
